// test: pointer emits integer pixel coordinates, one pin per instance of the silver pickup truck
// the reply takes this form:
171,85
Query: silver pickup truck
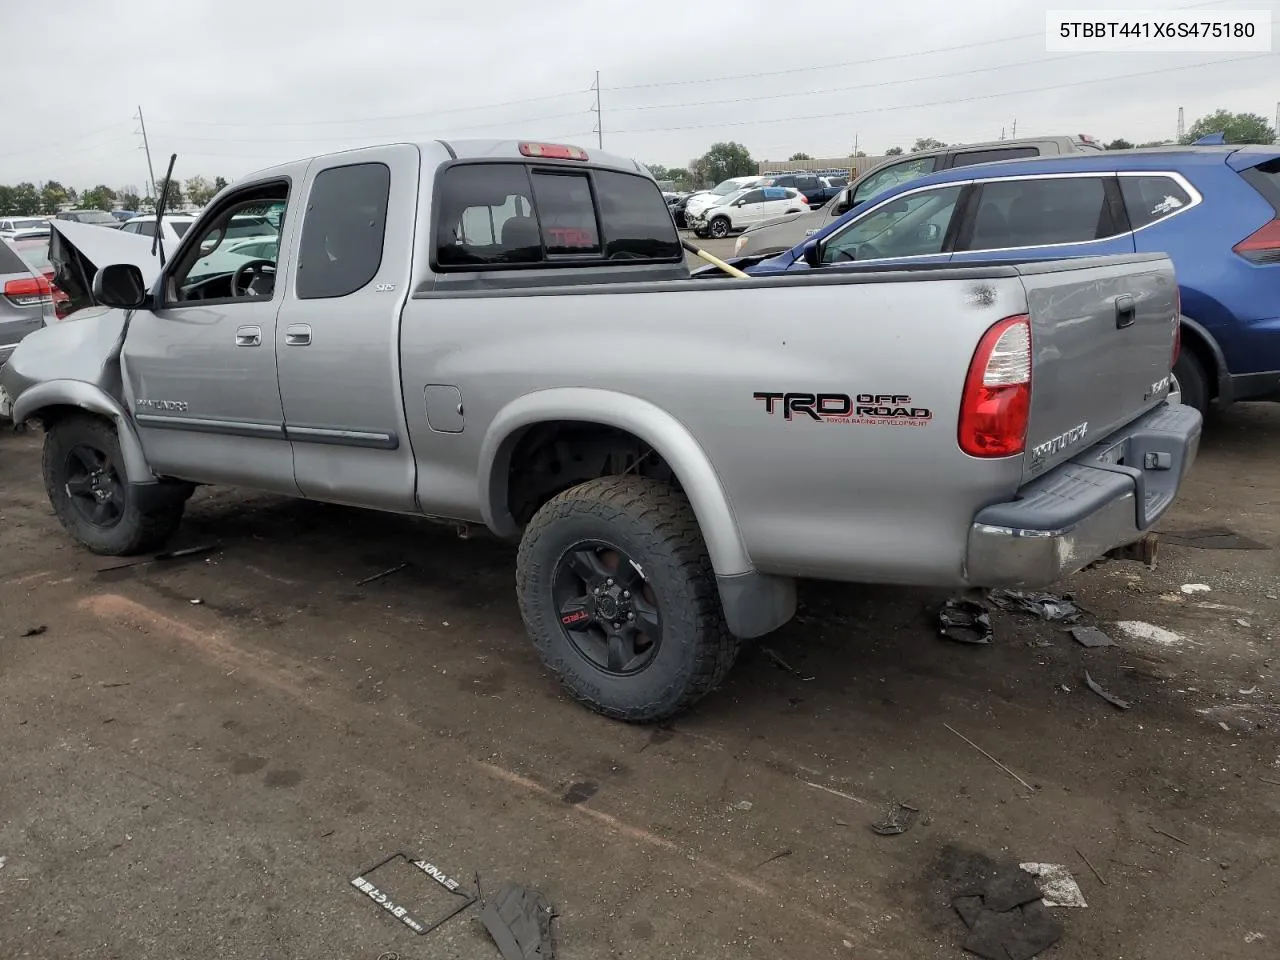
506,334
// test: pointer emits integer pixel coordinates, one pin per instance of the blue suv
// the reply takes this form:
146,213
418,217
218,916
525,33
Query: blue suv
1214,210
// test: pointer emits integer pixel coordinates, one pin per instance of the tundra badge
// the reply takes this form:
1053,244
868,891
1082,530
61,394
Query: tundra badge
1043,451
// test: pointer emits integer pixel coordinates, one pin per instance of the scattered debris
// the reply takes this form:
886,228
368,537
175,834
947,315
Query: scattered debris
1043,605
1190,588
385,573
1274,783
1241,622
1058,888
897,820
196,602
989,757
1090,866
1170,836
110,686
965,621
579,792
380,897
1091,637
785,852
782,664
1254,937
327,834
162,557
35,631
1223,724
1212,538
743,805
1247,693
1065,688
519,921
838,793
1005,916
1146,631
3,861
1110,698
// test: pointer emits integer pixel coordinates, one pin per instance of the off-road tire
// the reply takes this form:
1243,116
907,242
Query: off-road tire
140,527
1192,380
652,523
719,228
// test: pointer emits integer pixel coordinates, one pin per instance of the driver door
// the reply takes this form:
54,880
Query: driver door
200,369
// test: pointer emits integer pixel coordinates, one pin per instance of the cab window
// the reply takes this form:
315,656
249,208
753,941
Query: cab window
342,232
910,226
217,266
968,158
1035,213
890,176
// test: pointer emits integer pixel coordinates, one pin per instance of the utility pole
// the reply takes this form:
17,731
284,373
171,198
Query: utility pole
1277,126
599,118
147,147
1002,133
1182,127
1014,135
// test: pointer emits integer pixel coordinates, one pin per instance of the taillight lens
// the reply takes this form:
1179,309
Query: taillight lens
27,292
997,391
1263,245
803,198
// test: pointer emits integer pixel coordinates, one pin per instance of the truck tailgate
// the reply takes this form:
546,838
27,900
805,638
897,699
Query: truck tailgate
1102,336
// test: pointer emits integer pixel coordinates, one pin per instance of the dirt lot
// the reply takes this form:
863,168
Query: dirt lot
201,780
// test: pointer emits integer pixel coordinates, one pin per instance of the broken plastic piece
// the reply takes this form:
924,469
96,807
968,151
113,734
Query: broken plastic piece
1190,588
783,665
1057,886
897,820
35,631
385,573
519,920
965,621
382,899
1091,637
1043,605
1113,700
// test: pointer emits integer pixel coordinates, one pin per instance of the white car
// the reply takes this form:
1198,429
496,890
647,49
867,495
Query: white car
745,208
172,228
708,198
13,228
249,238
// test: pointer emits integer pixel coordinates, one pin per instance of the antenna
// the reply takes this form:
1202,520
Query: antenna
1182,126
599,130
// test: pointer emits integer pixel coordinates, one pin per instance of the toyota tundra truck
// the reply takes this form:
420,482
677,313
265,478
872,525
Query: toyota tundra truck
507,334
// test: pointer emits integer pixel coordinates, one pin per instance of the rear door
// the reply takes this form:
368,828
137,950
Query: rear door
337,336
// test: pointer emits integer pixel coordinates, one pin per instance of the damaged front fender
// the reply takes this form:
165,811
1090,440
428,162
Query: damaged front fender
57,394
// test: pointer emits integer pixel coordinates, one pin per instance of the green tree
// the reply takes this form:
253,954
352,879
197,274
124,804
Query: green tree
678,175
725,160
798,156
893,152
27,200
199,190
129,201
1120,144
55,195
658,170
99,198
8,206
1238,127
219,184
175,194
860,153
927,143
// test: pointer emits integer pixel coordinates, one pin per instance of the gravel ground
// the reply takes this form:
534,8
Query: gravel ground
198,780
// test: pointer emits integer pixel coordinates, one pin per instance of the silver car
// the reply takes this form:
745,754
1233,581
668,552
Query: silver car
25,297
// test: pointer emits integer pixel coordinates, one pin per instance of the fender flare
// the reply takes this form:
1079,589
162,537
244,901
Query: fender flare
1219,360
663,432
86,396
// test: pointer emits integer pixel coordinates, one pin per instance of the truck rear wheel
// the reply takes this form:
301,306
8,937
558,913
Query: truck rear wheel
85,478
617,592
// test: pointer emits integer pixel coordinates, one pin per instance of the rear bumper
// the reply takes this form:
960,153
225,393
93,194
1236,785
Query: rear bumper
1106,498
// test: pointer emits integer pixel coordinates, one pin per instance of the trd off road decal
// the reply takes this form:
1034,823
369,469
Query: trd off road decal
863,409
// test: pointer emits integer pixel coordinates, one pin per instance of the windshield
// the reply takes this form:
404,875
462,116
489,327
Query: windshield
95,216
35,252
726,187
730,198
32,224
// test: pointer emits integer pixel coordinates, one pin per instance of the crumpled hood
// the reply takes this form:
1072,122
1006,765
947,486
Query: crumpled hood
78,250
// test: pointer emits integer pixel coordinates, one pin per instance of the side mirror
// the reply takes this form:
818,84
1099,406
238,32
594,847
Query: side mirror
120,285
812,254
843,203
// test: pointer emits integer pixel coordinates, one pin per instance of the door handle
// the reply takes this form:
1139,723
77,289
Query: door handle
297,335
249,337
1126,311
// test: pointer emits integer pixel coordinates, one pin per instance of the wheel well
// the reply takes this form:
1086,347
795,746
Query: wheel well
549,458
48,416
1194,341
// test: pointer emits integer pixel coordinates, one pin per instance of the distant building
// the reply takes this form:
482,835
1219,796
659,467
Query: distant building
849,166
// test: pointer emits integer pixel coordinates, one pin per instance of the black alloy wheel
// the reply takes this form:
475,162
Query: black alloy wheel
93,484
607,609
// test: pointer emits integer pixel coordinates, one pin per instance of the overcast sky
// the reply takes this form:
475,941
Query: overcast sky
234,85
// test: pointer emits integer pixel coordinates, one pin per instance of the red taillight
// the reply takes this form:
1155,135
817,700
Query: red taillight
552,151
997,391
803,198
1263,245
28,291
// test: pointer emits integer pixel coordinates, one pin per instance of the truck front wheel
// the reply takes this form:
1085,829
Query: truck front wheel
617,593
85,478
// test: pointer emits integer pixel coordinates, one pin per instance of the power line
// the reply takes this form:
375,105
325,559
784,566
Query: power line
46,147
939,103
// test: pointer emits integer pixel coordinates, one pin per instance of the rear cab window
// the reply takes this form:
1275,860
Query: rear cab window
514,214
342,232
969,157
